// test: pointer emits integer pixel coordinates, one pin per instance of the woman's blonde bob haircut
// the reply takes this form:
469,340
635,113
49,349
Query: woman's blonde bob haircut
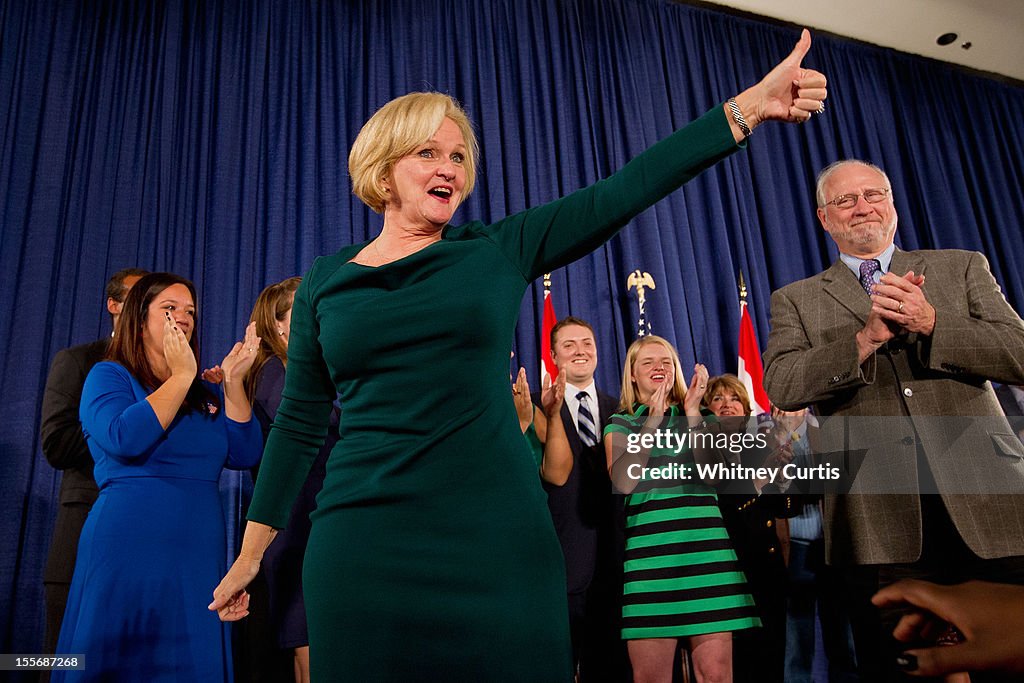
730,383
396,129
629,394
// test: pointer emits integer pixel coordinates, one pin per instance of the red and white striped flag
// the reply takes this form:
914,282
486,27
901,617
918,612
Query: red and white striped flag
750,370
547,363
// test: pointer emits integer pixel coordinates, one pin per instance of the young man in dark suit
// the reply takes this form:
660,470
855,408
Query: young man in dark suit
586,515
65,449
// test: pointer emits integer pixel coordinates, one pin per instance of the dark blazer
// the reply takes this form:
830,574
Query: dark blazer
65,449
582,509
918,387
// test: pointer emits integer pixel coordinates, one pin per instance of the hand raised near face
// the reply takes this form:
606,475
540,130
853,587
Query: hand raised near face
659,401
177,353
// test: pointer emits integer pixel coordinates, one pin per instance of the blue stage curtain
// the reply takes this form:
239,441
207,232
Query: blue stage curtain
211,139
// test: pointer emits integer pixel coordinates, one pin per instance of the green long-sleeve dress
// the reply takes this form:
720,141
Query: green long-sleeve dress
432,554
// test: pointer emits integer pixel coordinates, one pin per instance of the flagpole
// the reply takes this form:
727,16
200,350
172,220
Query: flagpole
641,282
749,369
548,320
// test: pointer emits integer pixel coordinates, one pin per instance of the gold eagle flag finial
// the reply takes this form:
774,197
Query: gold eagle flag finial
641,282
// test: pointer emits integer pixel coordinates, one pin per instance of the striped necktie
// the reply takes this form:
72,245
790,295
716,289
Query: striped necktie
585,420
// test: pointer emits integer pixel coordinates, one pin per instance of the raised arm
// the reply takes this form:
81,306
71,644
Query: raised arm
112,415
626,452
524,406
788,93
168,397
558,458
234,366
552,235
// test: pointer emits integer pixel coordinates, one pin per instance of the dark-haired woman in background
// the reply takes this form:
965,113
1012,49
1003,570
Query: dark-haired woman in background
282,563
155,538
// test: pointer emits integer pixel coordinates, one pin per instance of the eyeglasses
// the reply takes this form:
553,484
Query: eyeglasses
848,201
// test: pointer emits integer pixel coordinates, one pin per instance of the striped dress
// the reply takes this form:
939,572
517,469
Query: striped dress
681,575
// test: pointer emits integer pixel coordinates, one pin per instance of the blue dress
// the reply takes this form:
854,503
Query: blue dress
153,547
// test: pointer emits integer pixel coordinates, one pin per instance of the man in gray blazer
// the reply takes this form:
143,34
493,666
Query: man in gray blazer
1011,398
935,475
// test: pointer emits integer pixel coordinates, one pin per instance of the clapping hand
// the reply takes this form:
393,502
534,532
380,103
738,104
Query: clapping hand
553,395
214,375
781,456
521,397
887,319
695,393
659,404
901,302
240,358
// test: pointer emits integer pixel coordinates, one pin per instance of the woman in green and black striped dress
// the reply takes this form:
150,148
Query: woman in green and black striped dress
681,578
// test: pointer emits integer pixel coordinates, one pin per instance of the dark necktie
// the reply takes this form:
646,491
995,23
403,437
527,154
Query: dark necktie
867,274
585,420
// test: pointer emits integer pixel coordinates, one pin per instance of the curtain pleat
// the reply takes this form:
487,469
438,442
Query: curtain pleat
211,139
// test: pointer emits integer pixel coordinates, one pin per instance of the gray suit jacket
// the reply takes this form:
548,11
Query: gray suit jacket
1013,411
917,397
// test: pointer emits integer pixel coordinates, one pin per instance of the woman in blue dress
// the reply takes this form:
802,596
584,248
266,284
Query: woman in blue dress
155,538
